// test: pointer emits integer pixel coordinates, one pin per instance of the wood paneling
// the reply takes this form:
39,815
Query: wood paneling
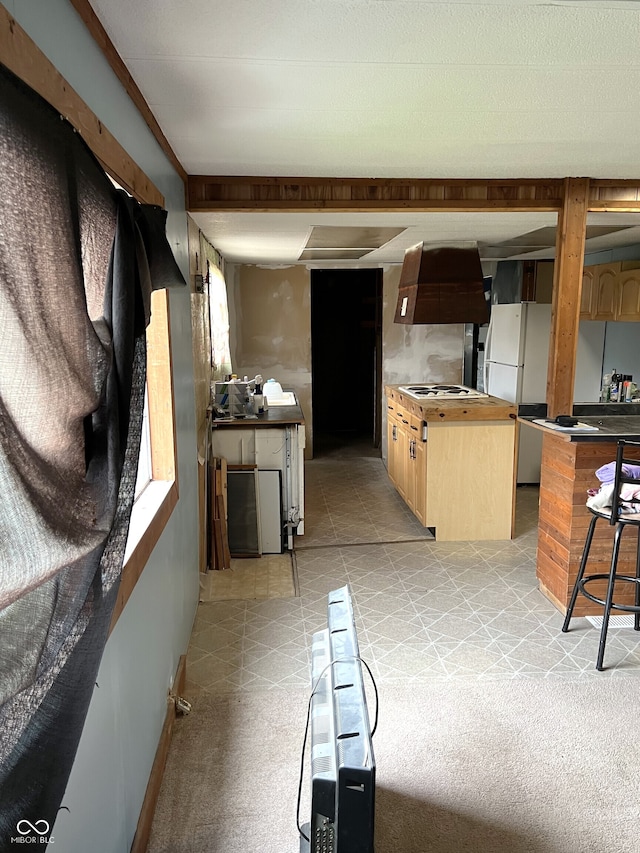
568,470
383,194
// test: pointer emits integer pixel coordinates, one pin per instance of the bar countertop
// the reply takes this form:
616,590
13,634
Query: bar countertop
609,427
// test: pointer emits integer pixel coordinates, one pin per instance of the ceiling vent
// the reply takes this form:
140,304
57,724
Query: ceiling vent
441,285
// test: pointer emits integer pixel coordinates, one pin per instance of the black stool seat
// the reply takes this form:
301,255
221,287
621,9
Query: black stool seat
618,514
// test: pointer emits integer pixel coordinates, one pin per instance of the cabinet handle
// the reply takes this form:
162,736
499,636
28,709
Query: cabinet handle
414,428
393,433
404,422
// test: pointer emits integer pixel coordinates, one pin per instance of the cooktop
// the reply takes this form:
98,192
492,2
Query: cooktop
422,392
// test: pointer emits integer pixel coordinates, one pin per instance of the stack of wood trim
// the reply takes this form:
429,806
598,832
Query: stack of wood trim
219,556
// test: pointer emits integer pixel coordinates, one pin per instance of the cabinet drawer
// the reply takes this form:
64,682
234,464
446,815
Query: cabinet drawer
415,425
402,414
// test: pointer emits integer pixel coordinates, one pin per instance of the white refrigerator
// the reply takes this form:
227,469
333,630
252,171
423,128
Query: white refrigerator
516,363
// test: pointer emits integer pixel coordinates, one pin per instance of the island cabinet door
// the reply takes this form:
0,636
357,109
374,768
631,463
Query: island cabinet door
402,462
420,467
392,447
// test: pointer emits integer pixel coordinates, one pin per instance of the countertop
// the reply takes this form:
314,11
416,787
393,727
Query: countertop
439,409
610,428
275,416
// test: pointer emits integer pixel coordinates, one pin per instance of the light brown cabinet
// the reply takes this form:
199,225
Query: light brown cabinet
420,474
456,476
628,303
610,292
599,292
406,457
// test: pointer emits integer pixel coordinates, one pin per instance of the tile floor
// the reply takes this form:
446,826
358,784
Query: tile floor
269,576
424,610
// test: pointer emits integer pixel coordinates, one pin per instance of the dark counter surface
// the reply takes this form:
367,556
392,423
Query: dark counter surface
610,427
274,416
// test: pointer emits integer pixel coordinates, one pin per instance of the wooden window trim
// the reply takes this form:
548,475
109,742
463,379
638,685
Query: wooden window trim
20,54
161,496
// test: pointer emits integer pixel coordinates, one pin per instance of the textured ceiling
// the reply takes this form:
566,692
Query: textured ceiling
385,88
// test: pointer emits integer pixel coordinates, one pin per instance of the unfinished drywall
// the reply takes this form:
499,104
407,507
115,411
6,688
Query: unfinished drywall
423,353
270,318
270,328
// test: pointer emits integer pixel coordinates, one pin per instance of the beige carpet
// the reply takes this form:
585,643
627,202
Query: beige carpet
269,576
540,766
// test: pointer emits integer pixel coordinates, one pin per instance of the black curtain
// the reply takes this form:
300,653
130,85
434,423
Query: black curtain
78,260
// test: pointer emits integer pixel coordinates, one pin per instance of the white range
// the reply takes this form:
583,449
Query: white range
440,390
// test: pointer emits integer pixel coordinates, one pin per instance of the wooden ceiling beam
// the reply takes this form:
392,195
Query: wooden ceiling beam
264,194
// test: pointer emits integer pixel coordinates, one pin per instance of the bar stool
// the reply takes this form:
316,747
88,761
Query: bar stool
617,516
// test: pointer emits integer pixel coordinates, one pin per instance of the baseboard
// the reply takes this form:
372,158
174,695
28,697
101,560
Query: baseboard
143,830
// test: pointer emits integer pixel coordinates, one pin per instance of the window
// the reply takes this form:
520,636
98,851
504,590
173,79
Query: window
157,499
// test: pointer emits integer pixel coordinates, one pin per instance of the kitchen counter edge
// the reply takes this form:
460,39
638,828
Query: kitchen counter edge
274,416
610,428
455,409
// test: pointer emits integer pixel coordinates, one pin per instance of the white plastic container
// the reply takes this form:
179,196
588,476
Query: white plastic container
273,390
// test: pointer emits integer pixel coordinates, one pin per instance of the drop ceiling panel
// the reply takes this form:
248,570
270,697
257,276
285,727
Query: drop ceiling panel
324,237
333,255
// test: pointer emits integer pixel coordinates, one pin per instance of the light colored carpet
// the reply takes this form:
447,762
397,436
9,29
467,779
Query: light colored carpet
464,766
269,576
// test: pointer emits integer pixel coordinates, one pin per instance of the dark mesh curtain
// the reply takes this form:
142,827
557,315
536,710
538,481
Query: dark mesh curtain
78,260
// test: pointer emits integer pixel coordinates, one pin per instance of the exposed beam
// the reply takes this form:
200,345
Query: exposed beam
567,287
263,194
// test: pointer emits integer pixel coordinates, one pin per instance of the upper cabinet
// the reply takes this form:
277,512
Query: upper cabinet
628,304
611,292
603,304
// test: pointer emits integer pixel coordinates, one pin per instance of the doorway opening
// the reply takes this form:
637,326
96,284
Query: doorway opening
346,361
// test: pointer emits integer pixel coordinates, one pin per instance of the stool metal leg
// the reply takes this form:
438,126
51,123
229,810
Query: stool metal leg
583,565
609,598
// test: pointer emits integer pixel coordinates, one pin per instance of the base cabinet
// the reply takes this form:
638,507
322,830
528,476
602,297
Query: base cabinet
460,479
406,458
420,465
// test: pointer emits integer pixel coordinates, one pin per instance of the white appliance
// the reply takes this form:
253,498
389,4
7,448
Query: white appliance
516,363
440,390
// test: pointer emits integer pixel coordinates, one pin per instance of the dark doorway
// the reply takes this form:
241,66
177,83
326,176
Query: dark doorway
346,360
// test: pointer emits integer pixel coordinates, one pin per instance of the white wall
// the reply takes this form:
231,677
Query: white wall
125,719
622,349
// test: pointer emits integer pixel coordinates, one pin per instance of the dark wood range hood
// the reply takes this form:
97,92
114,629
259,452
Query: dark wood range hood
441,285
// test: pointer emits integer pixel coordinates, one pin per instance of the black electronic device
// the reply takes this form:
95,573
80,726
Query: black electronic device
342,760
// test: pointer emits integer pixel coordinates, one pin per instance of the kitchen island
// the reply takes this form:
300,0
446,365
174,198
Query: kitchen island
453,462
569,463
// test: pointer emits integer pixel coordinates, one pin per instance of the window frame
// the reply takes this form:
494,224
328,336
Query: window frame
153,508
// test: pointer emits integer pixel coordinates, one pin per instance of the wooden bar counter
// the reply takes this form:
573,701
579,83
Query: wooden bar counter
569,463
